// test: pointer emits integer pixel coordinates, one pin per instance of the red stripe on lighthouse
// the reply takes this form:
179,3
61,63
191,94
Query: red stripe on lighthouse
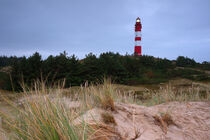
138,29
137,38
138,50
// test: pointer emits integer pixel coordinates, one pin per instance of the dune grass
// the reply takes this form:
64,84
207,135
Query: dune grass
45,113
102,95
39,117
169,94
108,118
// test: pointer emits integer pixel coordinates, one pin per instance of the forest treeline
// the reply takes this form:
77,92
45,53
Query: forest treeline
123,69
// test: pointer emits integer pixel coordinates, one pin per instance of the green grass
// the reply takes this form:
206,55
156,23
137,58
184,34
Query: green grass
41,118
42,113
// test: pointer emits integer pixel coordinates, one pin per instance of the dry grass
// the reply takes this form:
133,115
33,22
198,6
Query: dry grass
138,134
167,119
40,117
45,113
193,93
108,118
42,113
105,132
169,93
100,95
164,120
43,119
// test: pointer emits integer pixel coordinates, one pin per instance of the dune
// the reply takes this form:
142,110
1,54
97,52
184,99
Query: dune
187,121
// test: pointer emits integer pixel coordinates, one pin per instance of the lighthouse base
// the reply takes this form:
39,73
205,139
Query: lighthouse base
137,51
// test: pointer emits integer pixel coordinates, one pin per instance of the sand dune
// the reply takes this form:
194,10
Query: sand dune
191,121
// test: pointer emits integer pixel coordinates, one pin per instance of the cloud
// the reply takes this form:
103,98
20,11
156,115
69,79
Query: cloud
170,28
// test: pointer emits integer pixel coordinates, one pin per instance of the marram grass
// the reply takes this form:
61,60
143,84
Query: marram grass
46,120
42,115
41,118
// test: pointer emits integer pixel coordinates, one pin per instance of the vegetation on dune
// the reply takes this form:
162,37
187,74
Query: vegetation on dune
101,95
43,114
126,69
51,110
46,113
108,118
170,93
5,81
164,120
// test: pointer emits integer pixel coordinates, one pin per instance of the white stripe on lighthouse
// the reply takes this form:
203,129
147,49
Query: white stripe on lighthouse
138,34
138,43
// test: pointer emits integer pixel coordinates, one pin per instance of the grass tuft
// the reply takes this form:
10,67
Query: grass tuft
108,118
43,113
100,95
164,120
45,117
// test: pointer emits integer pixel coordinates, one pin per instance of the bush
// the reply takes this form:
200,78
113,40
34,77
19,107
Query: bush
5,82
122,69
182,61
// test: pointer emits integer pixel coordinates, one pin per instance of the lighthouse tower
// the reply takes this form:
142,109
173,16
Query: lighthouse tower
137,50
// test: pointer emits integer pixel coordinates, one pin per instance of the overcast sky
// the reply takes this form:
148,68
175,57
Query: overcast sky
170,27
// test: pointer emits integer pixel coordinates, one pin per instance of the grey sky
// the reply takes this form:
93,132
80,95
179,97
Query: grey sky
170,27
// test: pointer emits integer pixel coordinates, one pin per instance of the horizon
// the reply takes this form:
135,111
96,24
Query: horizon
169,28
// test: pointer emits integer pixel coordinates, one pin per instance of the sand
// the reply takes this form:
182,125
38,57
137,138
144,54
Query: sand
191,121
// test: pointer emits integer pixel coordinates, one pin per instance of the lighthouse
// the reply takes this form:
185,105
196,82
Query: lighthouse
137,50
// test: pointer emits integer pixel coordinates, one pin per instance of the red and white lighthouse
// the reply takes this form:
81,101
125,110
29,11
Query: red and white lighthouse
137,51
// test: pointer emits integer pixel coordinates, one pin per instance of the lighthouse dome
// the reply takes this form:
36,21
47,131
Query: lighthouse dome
138,19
